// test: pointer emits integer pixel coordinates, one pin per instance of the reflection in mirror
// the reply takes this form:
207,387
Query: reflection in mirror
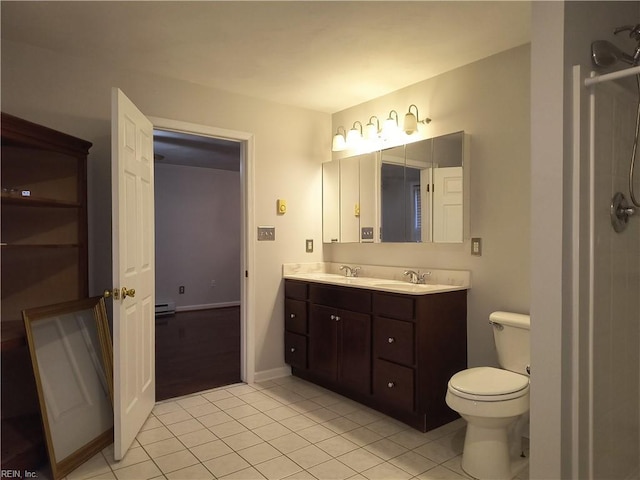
410,193
448,194
331,202
369,197
71,354
350,200
393,221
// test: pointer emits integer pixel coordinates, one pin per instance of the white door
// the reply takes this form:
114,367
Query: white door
447,204
133,270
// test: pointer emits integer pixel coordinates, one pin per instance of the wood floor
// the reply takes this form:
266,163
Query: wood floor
197,351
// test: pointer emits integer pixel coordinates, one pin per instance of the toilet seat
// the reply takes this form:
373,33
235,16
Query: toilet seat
488,384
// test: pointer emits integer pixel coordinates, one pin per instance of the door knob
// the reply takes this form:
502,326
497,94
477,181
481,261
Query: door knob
115,293
128,292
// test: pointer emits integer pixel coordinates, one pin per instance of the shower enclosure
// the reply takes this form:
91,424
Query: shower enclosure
612,359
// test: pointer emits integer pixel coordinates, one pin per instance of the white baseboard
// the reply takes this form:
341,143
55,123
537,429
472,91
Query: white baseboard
207,306
265,375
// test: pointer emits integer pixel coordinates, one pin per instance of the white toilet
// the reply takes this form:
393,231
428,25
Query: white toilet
495,402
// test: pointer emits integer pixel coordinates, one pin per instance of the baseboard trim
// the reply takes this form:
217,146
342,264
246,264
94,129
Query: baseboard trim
207,306
265,375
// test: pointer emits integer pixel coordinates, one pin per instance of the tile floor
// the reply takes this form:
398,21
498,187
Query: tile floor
284,428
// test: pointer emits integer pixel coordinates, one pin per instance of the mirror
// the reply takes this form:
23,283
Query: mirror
71,355
409,193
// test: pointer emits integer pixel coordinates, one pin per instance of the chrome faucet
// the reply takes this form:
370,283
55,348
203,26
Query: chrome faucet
350,271
416,277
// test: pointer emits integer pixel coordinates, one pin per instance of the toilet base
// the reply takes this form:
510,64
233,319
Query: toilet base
486,452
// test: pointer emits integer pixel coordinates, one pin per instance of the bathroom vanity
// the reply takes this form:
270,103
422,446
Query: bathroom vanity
388,345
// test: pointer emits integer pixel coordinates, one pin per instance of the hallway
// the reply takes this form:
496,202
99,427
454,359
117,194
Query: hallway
197,350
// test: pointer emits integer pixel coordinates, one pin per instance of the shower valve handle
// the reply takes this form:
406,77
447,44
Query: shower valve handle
634,31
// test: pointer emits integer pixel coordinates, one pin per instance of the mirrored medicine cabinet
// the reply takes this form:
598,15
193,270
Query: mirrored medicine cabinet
417,192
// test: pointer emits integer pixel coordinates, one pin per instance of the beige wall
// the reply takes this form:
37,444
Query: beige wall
73,95
489,100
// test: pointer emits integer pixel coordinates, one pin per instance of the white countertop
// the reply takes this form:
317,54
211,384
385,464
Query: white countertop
370,283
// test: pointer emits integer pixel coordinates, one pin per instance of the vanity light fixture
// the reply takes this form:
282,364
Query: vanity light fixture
339,141
354,137
391,128
372,131
411,121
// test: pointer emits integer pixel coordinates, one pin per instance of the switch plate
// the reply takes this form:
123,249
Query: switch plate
476,247
266,234
309,245
281,206
366,233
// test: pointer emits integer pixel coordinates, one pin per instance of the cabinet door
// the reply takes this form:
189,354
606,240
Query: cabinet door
355,351
323,341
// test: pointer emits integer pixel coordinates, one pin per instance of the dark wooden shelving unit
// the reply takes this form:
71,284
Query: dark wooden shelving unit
44,261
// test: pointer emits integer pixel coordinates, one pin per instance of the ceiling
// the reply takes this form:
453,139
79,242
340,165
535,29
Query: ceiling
320,55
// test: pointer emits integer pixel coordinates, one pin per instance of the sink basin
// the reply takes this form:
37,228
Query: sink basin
406,287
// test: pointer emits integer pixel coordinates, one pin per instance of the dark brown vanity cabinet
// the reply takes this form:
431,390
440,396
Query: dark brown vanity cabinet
340,347
393,352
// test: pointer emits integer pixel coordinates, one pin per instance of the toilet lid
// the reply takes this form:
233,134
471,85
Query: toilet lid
488,381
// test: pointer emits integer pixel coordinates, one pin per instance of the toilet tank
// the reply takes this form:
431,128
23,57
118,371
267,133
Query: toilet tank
512,339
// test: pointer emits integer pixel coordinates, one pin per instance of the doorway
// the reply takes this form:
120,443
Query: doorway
198,226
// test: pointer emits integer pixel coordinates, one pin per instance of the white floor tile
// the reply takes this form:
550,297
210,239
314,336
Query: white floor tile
176,461
164,447
226,464
282,429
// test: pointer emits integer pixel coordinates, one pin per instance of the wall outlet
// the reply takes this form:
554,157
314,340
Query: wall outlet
476,247
181,289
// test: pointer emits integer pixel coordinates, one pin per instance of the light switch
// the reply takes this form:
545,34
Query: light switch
266,234
309,245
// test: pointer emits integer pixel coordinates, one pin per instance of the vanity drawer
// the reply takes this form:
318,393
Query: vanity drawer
295,350
394,384
295,315
346,298
394,306
394,340
294,289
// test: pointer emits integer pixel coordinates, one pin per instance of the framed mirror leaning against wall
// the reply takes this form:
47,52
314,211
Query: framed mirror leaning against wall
71,355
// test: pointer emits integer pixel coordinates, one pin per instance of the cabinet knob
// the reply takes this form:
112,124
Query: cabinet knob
293,349
391,384
333,317
391,340
337,318
293,315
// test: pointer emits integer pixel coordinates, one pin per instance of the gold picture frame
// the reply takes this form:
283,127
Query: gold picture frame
72,359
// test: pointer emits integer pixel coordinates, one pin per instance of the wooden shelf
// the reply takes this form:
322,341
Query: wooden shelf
44,250
35,245
8,199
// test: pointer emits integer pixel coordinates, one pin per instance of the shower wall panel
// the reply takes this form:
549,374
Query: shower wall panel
616,297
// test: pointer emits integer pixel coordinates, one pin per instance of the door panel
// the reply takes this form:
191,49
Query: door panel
133,268
355,351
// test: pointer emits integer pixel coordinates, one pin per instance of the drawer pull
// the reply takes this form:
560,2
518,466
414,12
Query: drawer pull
391,384
293,349
293,315
391,340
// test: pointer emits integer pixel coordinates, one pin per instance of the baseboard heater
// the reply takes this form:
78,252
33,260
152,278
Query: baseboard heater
164,309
